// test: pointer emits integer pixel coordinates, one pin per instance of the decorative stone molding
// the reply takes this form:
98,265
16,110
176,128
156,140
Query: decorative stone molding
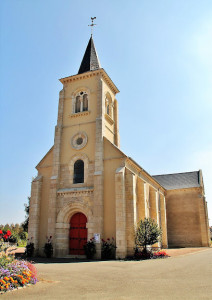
101,72
75,192
71,208
80,93
75,205
109,107
79,140
79,114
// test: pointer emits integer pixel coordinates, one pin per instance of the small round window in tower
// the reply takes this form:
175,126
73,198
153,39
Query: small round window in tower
79,140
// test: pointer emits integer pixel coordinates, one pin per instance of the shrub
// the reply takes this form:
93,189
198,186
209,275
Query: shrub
147,233
48,247
90,248
108,249
12,239
23,235
22,243
3,246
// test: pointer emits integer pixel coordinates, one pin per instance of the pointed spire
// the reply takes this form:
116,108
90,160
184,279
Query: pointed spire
90,61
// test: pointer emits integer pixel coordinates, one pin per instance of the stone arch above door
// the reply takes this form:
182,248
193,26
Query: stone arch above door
63,225
71,208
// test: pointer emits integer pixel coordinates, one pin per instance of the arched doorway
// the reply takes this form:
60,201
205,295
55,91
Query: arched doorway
77,234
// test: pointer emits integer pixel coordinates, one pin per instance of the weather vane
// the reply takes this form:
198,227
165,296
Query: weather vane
92,24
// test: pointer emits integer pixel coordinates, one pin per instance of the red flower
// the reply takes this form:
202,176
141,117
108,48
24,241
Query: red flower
9,233
1,232
5,237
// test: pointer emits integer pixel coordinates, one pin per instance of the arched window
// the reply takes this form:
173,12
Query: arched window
79,171
108,109
85,102
77,105
80,102
109,105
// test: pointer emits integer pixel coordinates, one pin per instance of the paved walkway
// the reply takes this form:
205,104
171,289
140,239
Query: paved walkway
188,276
183,251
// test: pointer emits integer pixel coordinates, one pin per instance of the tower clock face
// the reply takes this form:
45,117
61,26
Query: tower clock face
79,140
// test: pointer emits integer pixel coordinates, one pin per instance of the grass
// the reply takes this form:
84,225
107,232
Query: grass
22,243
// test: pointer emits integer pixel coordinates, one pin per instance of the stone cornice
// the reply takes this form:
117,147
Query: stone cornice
189,189
79,114
141,173
90,74
75,192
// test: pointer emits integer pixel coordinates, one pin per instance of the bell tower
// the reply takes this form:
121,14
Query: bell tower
87,112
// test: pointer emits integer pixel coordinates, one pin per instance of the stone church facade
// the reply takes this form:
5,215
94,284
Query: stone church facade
86,186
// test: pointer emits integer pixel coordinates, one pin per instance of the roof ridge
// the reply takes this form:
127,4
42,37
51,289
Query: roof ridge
177,173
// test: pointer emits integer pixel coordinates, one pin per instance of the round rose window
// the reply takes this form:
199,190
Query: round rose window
79,140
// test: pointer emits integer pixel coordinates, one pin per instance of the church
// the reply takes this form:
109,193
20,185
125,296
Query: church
88,187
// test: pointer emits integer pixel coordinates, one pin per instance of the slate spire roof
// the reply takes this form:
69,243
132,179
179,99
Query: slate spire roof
90,61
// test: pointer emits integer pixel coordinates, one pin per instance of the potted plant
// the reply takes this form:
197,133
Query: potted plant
90,248
48,247
108,249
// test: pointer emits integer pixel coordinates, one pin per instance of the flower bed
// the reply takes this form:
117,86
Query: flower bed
14,273
160,254
17,273
142,255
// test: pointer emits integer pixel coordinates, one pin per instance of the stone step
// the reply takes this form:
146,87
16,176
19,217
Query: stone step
76,256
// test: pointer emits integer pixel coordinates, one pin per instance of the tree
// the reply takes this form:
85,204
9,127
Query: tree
147,233
26,222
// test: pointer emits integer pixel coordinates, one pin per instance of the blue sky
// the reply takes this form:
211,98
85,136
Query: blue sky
158,53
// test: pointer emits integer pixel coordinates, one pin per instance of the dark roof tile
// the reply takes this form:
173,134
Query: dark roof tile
90,61
178,180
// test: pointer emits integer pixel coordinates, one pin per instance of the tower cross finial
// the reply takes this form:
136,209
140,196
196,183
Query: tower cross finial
92,24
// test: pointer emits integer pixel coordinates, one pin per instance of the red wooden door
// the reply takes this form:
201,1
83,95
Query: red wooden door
77,234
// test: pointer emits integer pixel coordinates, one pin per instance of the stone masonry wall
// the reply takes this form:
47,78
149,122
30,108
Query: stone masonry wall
131,214
34,212
121,243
